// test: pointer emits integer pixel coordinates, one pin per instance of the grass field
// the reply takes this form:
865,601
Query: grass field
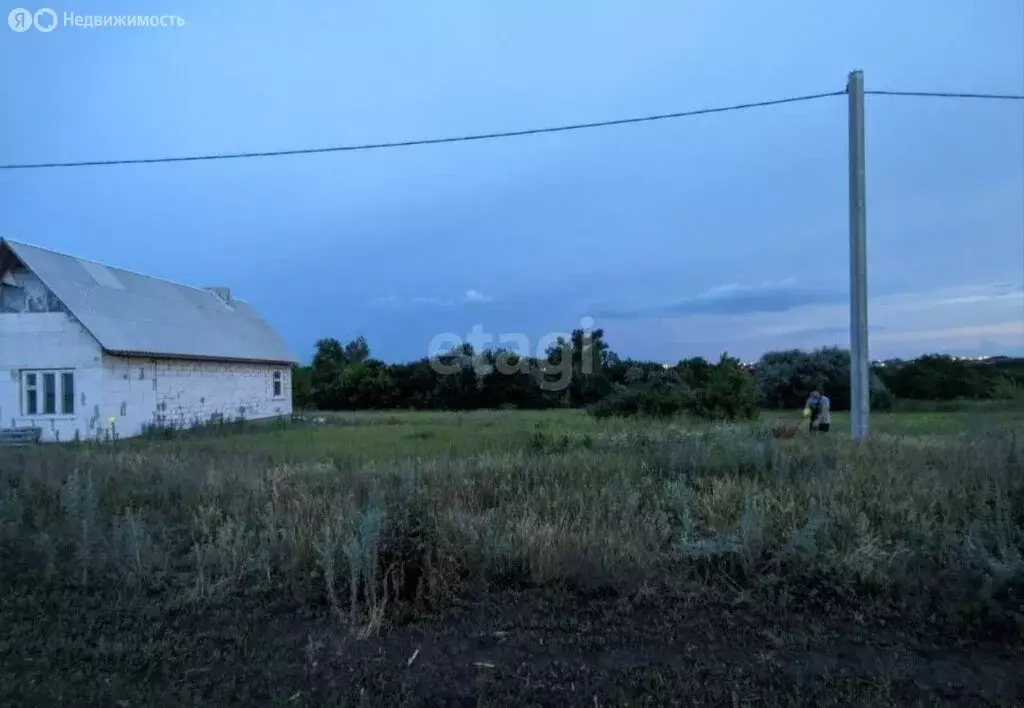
509,557
381,436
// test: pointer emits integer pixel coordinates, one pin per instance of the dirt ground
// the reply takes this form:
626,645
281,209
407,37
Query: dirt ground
530,647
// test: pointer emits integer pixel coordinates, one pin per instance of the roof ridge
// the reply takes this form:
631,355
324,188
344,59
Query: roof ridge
114,267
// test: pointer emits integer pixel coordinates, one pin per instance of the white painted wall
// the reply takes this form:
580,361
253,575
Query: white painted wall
47,340
134,392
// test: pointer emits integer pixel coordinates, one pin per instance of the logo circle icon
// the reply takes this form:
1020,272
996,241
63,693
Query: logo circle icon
45,13
20,20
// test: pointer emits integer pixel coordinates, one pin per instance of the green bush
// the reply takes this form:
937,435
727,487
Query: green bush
727,392
881,398
643,401
730,393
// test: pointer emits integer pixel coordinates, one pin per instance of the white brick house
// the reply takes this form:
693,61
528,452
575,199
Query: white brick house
87,350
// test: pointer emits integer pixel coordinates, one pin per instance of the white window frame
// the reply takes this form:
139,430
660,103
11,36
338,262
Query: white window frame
277,384
38,387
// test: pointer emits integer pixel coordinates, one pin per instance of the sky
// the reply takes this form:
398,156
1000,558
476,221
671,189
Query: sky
717,233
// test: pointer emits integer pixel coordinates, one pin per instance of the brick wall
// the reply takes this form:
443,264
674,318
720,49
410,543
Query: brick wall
119,394
177,392
133,392
47,340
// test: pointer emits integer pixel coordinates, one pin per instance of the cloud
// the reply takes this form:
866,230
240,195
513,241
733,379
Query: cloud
387,300
803,331
1012,329
735,299
394,302
951,314
901,324
471,296
431,301
476,296
985,293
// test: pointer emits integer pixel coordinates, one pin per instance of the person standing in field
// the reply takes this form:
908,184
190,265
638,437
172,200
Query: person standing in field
817,407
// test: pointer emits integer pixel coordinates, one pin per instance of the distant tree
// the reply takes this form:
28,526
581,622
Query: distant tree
328,362
694,372
357,351
582,371
328,352
366,385
345,378
942,377
511,380
302,387
727,391
880,397
457,383
415,383
780,375
722,391
786,377
583,359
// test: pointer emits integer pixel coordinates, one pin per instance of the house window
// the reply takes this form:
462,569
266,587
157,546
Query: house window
277,384
48,392
31,394
67,393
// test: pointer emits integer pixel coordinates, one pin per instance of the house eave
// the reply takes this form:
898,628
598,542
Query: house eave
197,357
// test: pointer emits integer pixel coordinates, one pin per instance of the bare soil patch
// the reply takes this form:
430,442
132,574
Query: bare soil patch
527,647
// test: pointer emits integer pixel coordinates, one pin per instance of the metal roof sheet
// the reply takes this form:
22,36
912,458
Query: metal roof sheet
130,313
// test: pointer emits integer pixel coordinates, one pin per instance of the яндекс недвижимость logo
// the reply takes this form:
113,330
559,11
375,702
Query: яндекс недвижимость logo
22,20
45,20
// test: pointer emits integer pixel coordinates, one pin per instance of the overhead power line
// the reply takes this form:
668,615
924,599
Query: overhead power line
431,141
940,94
506,134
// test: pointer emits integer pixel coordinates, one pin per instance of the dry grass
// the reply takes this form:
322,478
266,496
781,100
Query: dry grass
937,523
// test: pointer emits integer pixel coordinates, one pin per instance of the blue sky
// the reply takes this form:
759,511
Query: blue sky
689,237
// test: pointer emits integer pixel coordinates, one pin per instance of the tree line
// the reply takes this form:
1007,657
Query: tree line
582,371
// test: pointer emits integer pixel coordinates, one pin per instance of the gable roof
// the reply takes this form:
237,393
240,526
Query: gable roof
130,313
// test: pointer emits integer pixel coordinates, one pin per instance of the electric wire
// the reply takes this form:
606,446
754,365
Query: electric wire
430,141
941,94
510,133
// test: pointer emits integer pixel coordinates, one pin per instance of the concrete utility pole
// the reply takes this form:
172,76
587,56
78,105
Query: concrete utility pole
860,385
